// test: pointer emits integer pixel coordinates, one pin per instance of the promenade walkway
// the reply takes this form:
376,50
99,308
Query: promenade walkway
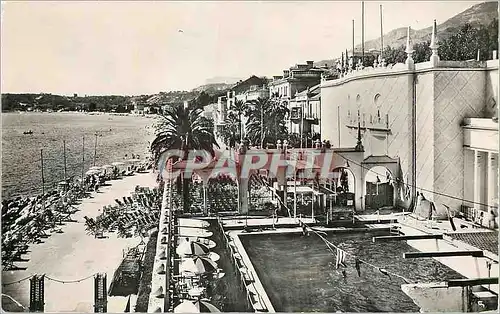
74,255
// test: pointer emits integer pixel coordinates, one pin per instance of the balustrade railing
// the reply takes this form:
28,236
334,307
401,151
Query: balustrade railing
370,121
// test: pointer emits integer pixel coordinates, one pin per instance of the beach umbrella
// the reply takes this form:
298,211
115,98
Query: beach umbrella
213,256
188,266
194,232
205,265
205,307
207,242
195,223
186,306
192,248
199,306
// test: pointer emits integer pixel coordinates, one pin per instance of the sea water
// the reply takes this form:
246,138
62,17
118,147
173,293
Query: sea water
117,136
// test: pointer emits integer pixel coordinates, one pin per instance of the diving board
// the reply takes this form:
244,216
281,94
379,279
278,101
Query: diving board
472,282
474,253
408,237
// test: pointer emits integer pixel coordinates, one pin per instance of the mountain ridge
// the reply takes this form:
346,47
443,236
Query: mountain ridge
482,13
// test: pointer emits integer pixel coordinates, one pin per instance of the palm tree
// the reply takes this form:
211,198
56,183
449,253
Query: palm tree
185,129
266,121
236,111
230,130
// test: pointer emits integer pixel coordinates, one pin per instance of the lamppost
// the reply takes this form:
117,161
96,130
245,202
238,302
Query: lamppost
285,187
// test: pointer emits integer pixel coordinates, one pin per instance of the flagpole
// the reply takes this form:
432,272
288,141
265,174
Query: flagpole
352,39
83,156
381,34
363,32
95,148
43,178
64,155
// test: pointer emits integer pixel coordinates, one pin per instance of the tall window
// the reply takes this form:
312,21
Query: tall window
376,100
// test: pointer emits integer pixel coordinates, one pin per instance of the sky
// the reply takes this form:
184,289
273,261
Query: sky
134,48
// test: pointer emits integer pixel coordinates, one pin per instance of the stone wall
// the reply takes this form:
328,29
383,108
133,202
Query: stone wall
458,94
425,124
491,93
445,95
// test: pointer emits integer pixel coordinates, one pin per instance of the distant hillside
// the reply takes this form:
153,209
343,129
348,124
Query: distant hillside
212,88
483,13
221,80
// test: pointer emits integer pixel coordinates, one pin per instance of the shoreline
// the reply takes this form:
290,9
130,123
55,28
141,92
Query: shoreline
12,192
74,254
89,113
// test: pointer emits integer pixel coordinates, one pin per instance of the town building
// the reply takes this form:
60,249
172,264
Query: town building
431,125
245,91
294,80
305,115
139,106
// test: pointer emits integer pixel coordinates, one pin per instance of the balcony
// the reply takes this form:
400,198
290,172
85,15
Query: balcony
311,117
295,113
374,122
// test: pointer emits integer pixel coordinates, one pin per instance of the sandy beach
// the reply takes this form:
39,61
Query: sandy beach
74,255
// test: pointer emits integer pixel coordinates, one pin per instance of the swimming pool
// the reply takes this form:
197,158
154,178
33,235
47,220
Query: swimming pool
299,273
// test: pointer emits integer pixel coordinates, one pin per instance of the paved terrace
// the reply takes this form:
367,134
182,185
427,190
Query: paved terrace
75,255
462,239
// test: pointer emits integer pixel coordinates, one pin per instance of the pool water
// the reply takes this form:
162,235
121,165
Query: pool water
299,273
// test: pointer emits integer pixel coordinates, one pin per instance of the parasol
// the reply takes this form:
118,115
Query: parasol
207,242
213,256
205,265
192,248
196,307
195,223
194,232
188,266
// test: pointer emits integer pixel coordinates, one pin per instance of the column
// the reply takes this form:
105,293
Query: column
469,166
492,178
205,209
243,196
479,179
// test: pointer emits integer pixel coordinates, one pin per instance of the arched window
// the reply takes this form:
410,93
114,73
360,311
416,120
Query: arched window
376,100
